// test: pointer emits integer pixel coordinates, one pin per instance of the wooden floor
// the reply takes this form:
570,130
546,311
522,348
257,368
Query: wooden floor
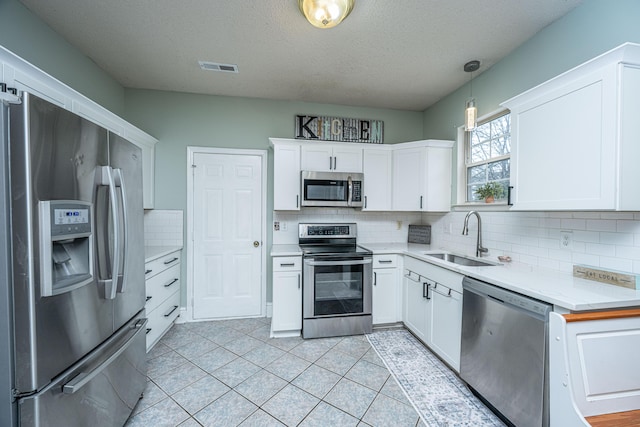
618,419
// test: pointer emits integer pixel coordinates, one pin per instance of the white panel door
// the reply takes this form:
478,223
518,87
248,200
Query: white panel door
227,232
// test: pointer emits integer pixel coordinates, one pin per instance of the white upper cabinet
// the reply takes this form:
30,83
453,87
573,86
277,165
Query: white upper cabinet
575,137
422,176
332,157
286,175
377,162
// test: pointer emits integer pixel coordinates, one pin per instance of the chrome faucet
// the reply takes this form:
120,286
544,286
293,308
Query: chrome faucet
465,231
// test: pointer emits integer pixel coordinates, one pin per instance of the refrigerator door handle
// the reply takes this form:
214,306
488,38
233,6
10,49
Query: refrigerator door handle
119,183
111,284
84,378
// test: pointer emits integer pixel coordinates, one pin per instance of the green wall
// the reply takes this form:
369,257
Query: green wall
589,30
27,36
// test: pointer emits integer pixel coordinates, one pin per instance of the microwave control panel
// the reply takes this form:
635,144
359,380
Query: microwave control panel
357,191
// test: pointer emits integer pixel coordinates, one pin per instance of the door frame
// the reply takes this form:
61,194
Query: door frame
191,152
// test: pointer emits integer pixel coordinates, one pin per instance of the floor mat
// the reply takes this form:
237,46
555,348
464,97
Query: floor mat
439,396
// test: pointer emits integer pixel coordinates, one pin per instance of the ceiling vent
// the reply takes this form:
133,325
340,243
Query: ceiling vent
215,66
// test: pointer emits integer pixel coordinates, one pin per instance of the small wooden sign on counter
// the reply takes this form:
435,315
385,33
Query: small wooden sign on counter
617,278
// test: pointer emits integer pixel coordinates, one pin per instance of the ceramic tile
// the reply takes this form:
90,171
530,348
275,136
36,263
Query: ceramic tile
385,411
353,346
263,354
261,419
229,410
316,381
351,397
288,366
310,350
200,394
263,333
196,348
290,405
242,345
151,395
326,415
179,378
392,389
165,413
261,387
164,363
190,423
368,374
214,359
372,357
179,336
285,344
221,335
235,372
245,325
336,361
158,350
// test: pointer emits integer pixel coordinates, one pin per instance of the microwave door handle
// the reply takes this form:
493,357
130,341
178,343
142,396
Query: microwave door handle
350,191
352,262
123,249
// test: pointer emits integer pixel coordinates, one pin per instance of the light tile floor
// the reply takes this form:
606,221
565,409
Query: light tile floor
229,372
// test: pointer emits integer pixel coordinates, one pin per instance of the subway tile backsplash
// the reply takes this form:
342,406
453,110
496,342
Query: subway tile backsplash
163,228
609,240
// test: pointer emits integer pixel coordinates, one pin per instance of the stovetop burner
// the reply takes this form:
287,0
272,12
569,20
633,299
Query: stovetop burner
329,239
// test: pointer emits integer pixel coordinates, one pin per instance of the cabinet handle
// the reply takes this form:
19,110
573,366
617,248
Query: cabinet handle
365,202
288,264
147,272
175,307
375,279
448,294
298,280
420,202
148,298
297,201
335,163
509,188
385,261
170,261
148,330
425,290
171,283
330,163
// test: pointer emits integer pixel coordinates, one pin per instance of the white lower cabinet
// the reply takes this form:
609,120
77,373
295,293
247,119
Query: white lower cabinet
386,289
162,283
433,308
287,296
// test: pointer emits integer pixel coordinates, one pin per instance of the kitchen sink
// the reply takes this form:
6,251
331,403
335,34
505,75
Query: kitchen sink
461,259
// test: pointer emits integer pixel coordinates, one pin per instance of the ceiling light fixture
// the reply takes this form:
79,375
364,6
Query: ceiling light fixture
325,13
471,111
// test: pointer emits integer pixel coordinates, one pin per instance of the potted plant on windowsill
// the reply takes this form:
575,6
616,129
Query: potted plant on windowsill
490,191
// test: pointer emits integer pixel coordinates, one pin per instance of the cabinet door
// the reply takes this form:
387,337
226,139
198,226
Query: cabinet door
446,325
377,179
408,179
317,157
564,146
437,196
418,308
385,286
287,301
347,159
286,177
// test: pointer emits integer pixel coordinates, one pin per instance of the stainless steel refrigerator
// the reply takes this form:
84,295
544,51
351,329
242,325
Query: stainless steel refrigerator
72,280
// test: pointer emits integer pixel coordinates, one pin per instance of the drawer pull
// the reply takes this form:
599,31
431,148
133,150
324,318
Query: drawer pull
147,272
385,261
175,307
288,264
170,261
148,298
171,283
148,330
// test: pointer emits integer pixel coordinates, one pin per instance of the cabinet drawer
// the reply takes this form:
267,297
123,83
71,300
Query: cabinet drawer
287,263
161,286
162,318
157,266
385,261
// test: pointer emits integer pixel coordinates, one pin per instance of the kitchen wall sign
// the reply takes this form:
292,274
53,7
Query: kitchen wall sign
328,128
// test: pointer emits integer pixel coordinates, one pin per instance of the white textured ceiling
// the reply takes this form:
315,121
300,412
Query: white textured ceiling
399,54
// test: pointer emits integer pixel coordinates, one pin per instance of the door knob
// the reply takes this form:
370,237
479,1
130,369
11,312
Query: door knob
256,243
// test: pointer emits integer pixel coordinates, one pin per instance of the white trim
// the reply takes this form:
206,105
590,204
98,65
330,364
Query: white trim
191,151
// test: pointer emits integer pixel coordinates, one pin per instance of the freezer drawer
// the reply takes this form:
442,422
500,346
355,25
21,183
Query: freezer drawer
99,391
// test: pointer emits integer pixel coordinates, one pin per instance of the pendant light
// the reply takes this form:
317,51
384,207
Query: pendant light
325,13
471,111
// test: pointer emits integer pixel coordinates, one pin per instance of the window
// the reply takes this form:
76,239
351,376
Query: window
488,151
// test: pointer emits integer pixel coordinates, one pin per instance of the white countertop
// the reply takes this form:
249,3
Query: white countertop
555,287
155,252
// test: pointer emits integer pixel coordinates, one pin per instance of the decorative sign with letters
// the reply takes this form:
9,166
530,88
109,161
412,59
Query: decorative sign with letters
339,129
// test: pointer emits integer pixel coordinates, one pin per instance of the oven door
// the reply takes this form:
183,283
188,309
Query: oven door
337,286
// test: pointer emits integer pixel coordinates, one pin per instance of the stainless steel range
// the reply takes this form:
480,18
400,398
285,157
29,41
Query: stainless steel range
337,281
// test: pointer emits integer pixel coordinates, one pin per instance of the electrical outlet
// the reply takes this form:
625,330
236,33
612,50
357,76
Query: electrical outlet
276,225
399,225
283,226
566,240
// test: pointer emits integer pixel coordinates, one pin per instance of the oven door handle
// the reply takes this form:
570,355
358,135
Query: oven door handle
356,262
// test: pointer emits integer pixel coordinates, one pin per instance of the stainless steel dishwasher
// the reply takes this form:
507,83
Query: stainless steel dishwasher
504,351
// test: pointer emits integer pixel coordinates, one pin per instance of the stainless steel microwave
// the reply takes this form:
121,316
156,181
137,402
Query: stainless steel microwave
332,189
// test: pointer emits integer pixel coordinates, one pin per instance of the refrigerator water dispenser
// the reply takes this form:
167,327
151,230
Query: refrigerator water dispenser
66,245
